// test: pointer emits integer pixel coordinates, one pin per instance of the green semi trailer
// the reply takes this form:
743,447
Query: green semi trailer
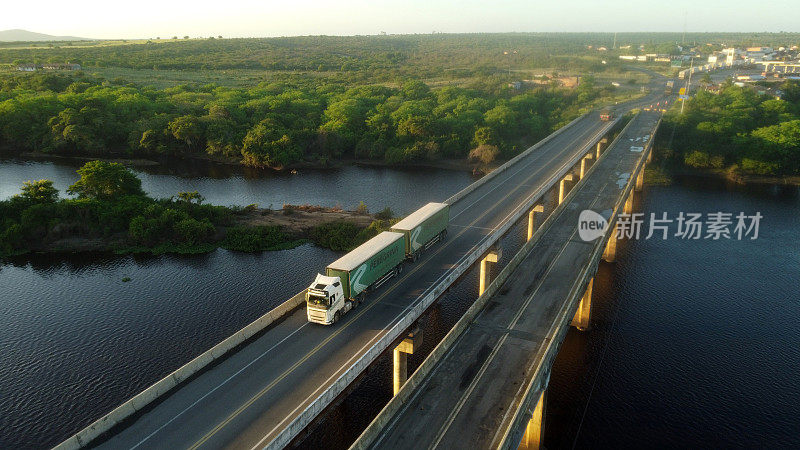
347,279
423,228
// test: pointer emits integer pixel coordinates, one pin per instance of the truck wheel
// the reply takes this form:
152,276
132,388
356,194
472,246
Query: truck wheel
335,317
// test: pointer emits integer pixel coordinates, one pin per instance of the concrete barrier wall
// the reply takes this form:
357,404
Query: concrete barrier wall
375,427
166,384
512,435
462,193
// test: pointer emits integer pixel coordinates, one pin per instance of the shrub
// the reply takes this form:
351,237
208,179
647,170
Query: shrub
697,159
484,154
193,232
338,236
255,239
385,214
759,167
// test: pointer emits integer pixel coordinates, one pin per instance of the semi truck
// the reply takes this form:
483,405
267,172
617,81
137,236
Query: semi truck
348,279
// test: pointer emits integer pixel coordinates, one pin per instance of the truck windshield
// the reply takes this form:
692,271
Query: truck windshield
318,301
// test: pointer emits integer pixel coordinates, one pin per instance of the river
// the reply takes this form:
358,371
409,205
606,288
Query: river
692,342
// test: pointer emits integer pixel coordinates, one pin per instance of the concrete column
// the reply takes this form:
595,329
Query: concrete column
584,312
640,180
562,188
610,253
629,204
401,352
583,164
534,431
532,219
484,277
600,146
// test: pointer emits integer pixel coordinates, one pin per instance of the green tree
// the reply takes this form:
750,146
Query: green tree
187,129
269,144
39,191
191,197
106,181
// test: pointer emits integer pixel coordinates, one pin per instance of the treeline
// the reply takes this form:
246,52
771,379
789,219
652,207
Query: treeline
276,124
738,129
111,212
423,55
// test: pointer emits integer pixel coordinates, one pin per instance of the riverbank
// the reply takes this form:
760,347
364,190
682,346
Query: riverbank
663,174
247,229
454,164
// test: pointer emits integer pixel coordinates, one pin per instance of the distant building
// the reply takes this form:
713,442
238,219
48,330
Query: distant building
48,66
59,66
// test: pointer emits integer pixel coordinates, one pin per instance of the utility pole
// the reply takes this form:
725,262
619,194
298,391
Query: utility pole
614,47
688,84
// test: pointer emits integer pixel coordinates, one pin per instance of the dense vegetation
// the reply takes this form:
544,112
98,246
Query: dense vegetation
380,58
738,129
279,124
112,213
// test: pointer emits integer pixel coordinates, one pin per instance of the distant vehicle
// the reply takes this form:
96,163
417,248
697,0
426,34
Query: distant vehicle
670,86
606,115
347,280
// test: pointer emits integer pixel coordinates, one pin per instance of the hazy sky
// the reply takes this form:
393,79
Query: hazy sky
243,18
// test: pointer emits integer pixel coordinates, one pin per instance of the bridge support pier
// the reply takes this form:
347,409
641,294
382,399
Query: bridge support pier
532,219
628,208
640,180
493,257
534,432
584,312
610,252
401,353
600,144
562,187
583,164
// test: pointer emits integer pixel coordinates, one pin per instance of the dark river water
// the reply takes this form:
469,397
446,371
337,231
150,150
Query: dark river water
693,343
402,190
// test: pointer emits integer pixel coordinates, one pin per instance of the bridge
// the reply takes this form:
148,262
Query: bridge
264,385
484,385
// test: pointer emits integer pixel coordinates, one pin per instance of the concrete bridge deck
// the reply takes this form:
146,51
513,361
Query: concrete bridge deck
270,388
486,386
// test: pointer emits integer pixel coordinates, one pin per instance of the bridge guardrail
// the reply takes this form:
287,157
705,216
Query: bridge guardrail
460,194
166,384
375,427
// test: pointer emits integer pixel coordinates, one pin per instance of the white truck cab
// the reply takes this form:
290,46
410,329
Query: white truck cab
325,302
